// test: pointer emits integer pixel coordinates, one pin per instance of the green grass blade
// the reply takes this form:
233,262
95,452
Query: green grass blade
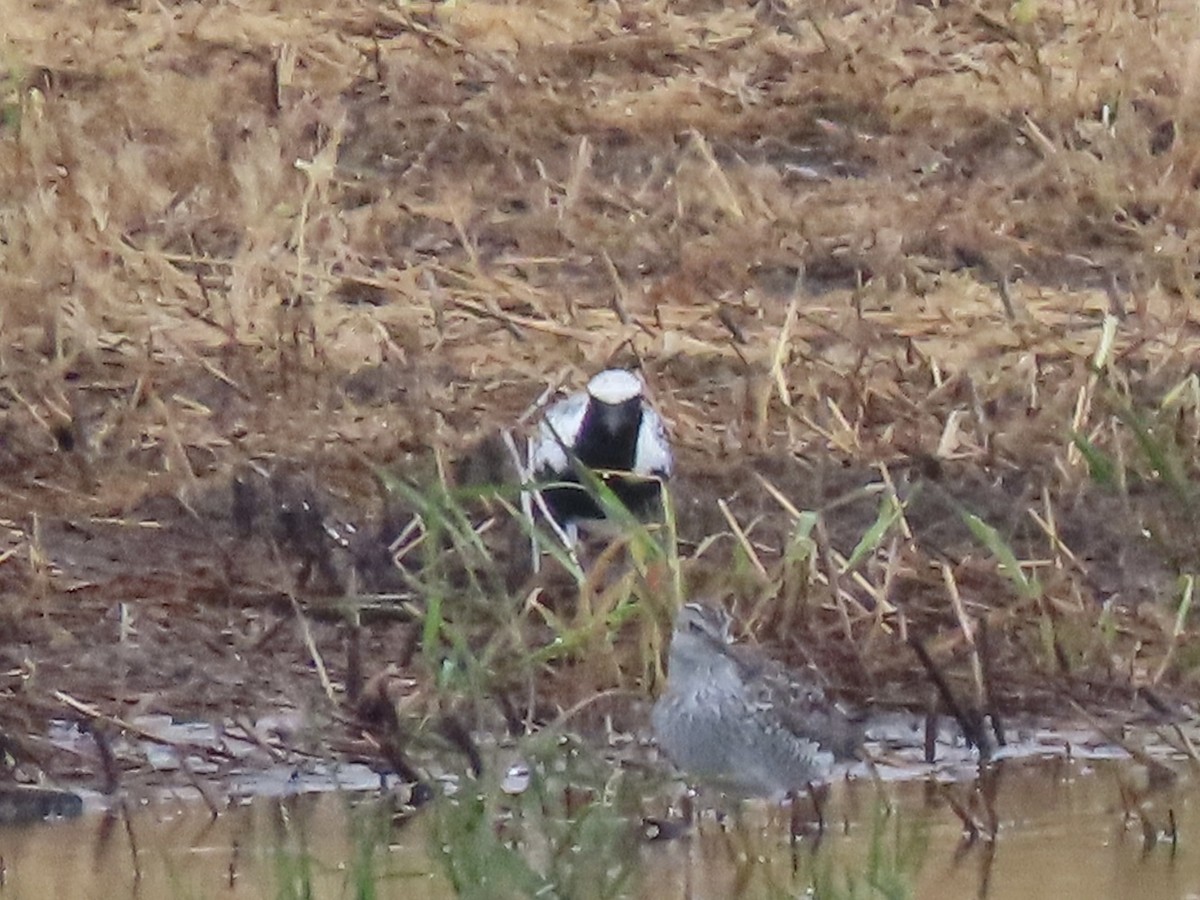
996,545
1101,467
890,511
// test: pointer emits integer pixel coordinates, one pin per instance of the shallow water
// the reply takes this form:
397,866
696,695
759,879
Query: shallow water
1062,834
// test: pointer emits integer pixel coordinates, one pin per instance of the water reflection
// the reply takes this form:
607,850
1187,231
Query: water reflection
1061,832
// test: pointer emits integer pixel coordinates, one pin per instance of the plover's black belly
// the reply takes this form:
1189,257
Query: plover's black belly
604,450
569,504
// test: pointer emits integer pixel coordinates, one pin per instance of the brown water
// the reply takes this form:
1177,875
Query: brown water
1062,835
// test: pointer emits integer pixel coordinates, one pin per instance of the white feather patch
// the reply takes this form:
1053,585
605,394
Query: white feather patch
653,454
561,423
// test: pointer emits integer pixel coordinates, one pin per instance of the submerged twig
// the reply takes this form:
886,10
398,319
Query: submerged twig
127,818
313,653
968,720
95,714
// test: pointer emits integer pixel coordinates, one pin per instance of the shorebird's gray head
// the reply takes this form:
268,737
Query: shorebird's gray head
616,395
699,642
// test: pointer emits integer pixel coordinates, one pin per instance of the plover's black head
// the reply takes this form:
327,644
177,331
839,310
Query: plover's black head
615,386
616,397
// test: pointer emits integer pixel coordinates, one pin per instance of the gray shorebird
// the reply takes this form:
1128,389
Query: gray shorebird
609,427
741,719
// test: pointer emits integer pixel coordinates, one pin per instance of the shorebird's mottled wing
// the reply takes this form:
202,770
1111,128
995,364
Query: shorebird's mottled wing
799,703
559,426
653,455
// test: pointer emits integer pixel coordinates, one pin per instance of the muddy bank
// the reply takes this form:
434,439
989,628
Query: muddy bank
266,592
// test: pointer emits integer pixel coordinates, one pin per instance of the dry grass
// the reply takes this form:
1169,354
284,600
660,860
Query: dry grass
877,239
